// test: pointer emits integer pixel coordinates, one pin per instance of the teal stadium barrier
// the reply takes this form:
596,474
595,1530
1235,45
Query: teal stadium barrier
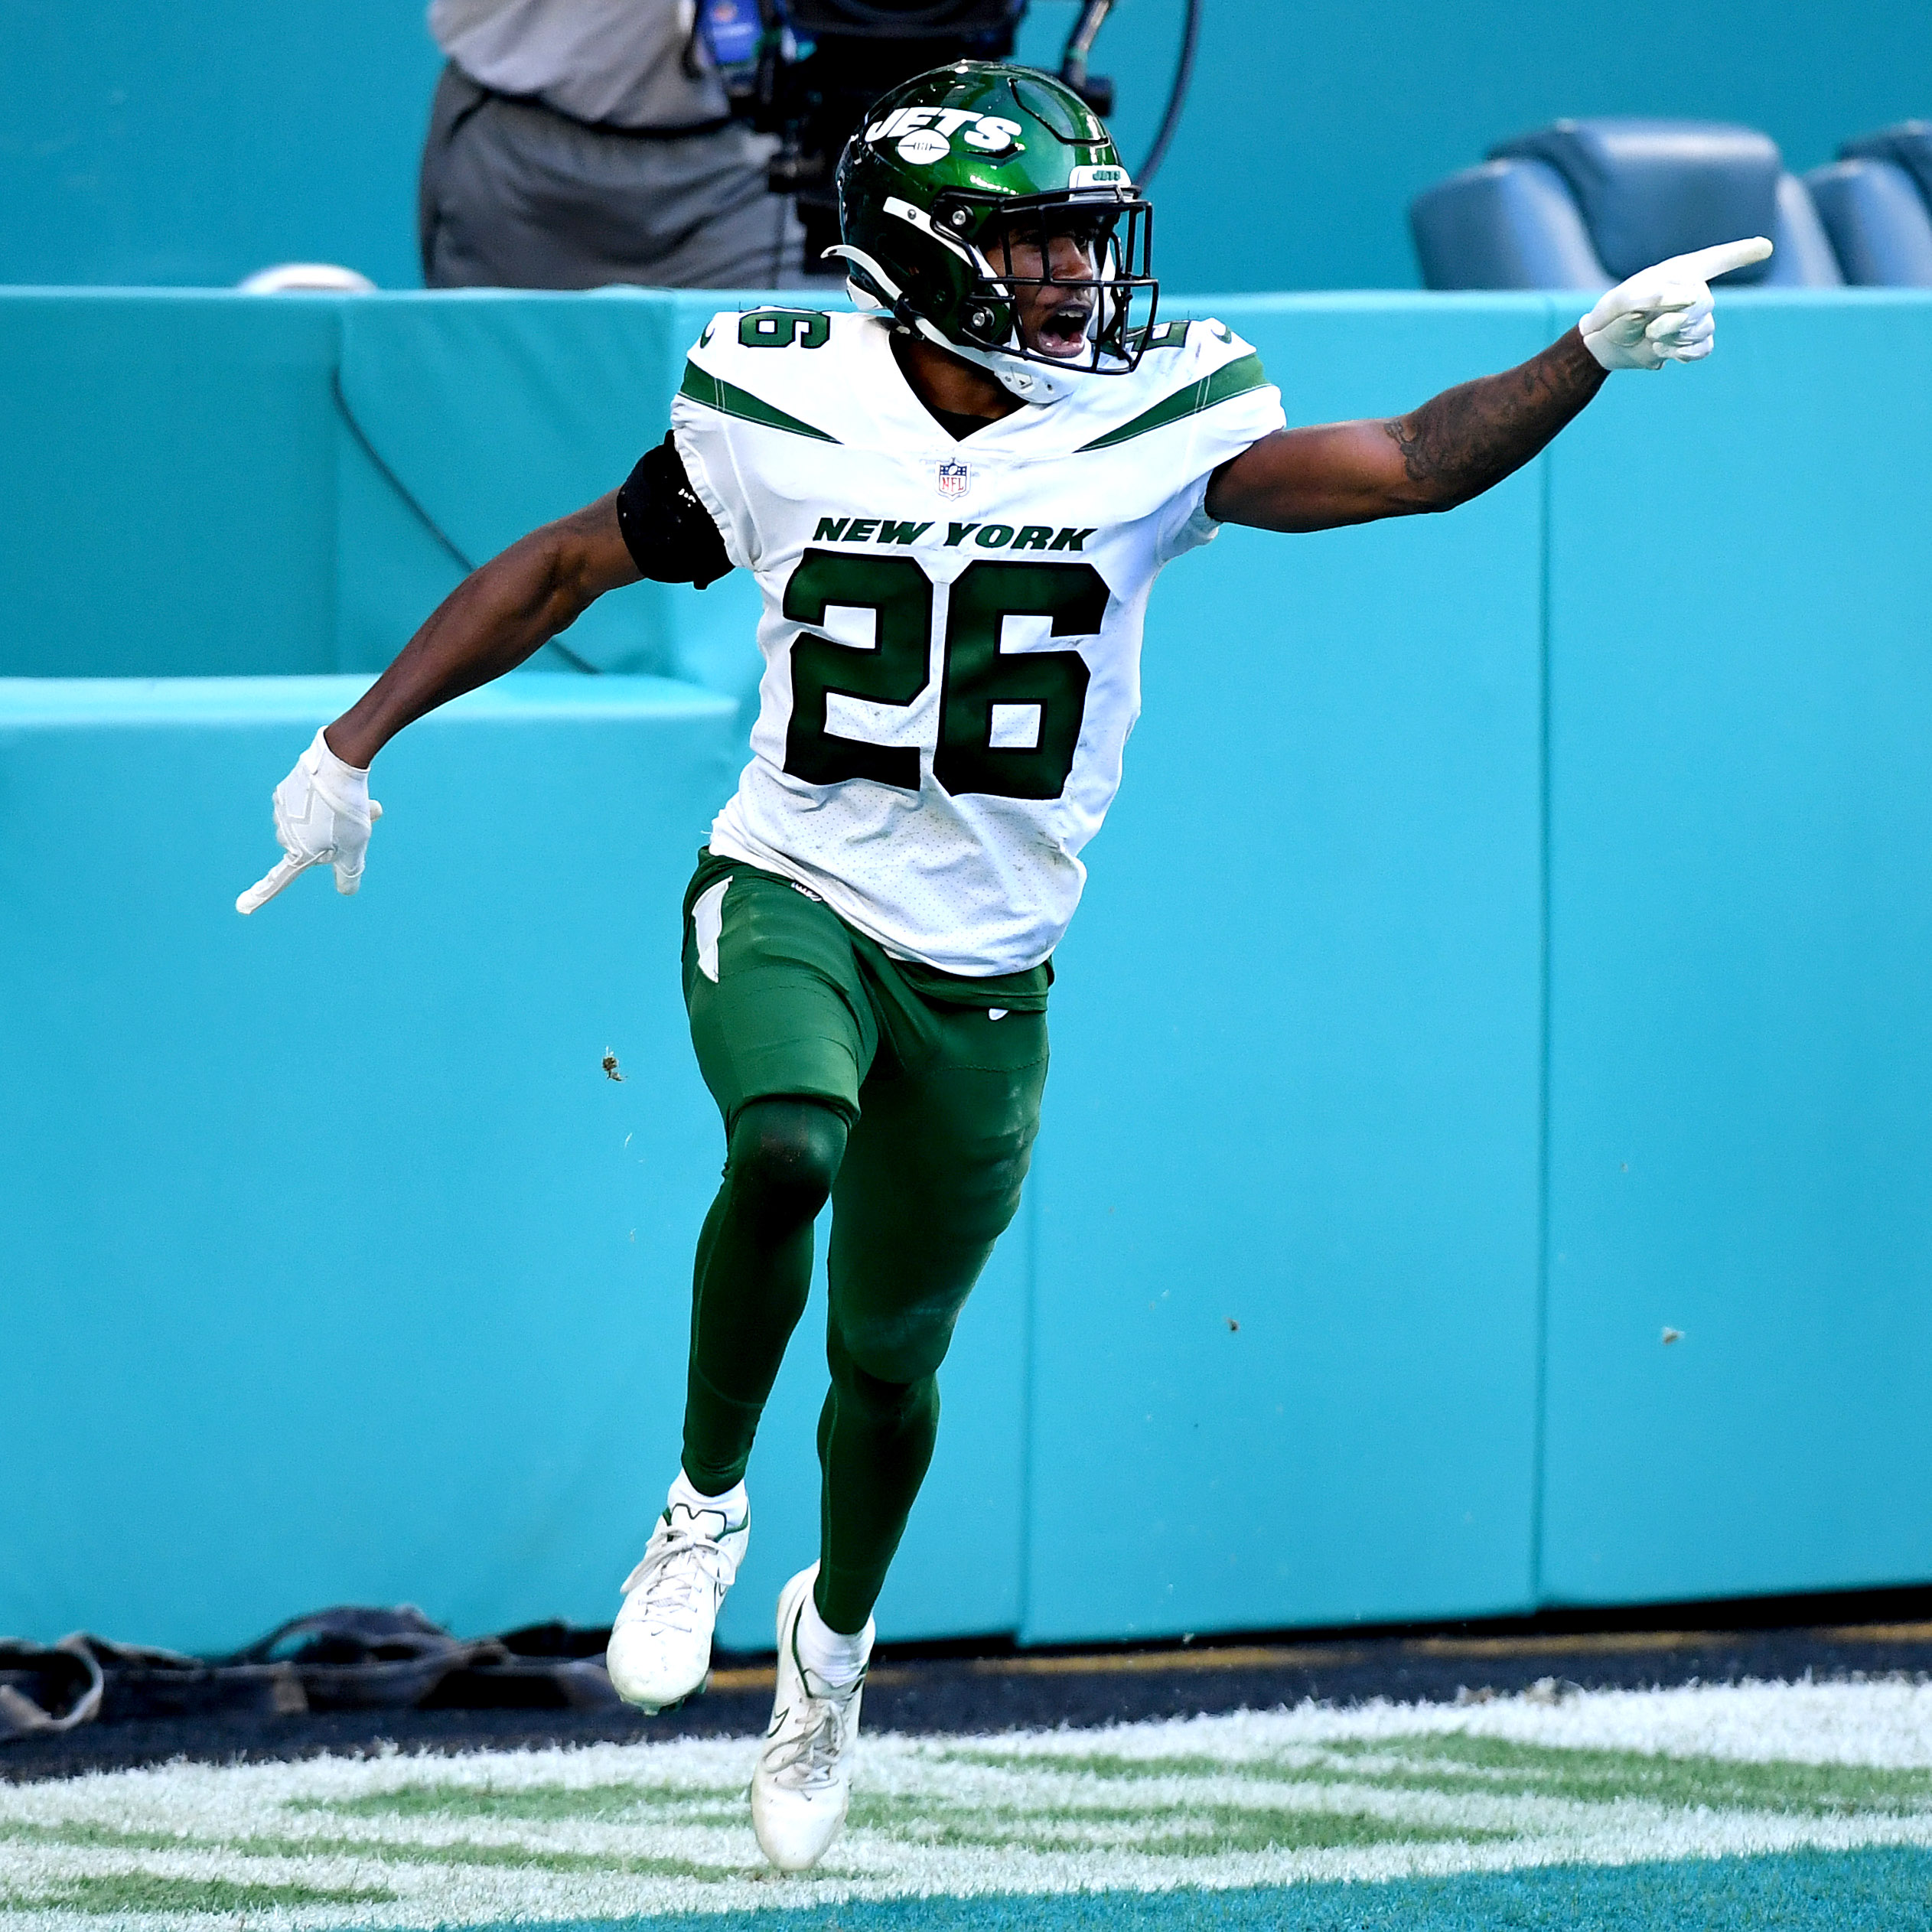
1508,946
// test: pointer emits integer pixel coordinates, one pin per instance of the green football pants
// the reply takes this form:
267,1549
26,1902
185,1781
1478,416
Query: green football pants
916,1115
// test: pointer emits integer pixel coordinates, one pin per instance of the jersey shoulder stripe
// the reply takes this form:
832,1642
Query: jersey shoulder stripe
1232,379
714,392
789,369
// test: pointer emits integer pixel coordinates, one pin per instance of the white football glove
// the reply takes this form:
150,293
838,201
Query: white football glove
323,813
1664,314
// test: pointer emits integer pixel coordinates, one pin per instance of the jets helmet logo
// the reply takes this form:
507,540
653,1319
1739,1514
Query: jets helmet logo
928,132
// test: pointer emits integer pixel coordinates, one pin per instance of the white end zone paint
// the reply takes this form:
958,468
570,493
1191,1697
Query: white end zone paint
621,1831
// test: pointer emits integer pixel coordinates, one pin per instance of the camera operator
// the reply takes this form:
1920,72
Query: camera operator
574,143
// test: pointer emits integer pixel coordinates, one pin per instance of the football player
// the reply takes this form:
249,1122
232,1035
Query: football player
955,501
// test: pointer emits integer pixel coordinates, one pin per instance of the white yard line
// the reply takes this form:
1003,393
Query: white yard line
1886,1724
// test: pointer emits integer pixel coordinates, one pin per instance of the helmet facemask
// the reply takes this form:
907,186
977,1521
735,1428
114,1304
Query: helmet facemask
1088,315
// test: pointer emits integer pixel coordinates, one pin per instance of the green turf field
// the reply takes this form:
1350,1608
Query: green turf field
1800,1806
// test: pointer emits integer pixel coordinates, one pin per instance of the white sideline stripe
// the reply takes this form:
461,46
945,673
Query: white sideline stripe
699,1814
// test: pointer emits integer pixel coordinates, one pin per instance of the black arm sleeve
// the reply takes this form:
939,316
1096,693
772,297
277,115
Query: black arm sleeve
669,533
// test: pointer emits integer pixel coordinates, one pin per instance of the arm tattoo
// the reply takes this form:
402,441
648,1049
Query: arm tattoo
1460,443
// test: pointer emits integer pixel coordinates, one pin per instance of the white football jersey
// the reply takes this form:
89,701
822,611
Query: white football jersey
952,630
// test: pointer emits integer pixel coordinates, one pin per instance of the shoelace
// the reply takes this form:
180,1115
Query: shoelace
808,1760
680,1567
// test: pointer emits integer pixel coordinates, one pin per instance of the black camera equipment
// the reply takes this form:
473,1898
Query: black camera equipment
808,70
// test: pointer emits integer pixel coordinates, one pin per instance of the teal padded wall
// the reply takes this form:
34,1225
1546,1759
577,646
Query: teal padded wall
1644,727
195,143
1741,897
349,1274
209,483
344,1271
167,485
433,393
1287,1292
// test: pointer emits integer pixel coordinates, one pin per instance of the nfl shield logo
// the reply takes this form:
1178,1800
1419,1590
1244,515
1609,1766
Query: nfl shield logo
955,479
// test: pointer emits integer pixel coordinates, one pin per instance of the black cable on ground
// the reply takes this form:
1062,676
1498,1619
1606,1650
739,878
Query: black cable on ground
954,1695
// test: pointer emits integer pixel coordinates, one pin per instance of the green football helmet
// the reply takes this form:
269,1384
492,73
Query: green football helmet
952,170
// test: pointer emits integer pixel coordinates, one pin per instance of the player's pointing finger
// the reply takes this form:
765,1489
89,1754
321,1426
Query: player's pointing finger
264,889
1707,264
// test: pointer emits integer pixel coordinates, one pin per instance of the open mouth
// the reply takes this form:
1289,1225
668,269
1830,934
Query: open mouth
1062,332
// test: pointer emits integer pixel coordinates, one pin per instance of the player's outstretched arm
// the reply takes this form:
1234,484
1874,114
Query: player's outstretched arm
1467,439
489,624
1455,447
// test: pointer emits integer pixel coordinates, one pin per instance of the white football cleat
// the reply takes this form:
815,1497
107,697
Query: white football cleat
802,1783
661,1645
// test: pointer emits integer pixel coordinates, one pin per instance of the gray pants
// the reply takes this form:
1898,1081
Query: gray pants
514,196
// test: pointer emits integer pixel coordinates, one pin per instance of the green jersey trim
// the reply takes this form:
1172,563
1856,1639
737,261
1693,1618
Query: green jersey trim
728,400
1233,378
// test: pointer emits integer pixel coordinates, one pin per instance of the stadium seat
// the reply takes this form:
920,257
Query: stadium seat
1876,202
1805,258
1580,204
1507,224
1908,145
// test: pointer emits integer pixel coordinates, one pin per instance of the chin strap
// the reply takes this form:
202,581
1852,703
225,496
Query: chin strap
1031,382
